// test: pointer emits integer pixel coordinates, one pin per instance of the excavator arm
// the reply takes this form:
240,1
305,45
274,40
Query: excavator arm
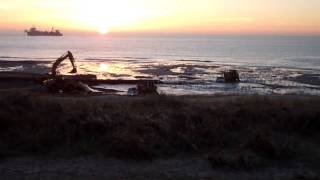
62,58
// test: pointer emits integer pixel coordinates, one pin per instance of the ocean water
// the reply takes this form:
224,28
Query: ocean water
186,64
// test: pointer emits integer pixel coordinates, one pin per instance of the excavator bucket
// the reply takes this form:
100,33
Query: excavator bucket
74,70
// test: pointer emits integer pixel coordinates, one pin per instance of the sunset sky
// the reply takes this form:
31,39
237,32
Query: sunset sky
166,16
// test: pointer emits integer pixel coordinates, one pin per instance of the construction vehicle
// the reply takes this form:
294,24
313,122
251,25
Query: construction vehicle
62,83
231,76
147,87
55,65
143,88
75,83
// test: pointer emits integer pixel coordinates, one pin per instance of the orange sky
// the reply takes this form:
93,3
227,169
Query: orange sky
168,16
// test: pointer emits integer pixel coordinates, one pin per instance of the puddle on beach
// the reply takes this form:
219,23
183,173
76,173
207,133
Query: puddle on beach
201,80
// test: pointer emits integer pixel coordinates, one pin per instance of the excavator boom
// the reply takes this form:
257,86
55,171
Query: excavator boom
55,65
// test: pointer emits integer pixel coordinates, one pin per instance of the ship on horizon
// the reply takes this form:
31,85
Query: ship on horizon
34,32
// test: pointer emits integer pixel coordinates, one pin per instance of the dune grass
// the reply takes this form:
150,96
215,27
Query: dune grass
233,132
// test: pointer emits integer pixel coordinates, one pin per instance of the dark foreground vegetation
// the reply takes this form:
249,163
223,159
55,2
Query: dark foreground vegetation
239,133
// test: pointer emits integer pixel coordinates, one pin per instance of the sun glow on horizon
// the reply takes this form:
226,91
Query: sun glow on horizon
165,16
103,30
103,15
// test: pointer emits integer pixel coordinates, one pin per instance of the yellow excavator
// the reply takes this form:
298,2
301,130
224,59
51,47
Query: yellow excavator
64,83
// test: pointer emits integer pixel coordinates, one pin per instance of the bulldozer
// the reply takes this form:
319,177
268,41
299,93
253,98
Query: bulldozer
63,83
143,88
231,76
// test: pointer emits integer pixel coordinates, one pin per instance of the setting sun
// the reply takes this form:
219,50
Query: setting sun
103,30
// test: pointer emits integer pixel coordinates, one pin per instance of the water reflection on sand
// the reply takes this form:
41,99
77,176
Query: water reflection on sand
188,77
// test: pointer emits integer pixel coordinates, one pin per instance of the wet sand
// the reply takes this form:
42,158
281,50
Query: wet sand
180,77
312,79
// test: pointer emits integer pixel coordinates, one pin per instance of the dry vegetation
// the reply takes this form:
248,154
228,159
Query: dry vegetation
231,132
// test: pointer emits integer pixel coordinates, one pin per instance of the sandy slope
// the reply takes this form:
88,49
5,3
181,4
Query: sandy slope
45,136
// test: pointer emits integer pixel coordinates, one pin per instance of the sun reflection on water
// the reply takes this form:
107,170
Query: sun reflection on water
107,70
103,67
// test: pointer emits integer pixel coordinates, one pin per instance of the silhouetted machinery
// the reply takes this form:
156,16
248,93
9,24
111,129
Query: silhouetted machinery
147,88
143,88
231,76
55,65
74,83
63,83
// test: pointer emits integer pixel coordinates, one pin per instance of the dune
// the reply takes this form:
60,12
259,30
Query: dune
188,137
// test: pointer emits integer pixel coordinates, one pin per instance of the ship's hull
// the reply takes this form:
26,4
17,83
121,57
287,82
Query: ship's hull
43,34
